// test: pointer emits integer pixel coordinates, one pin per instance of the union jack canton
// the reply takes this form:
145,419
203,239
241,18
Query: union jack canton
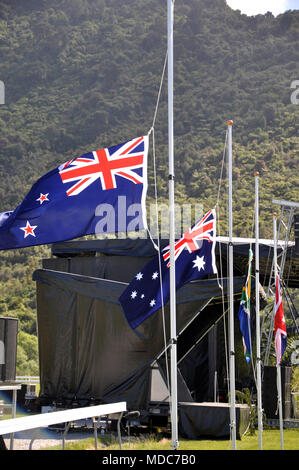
105,165
203,230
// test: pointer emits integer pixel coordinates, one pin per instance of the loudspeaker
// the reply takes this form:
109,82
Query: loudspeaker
269,392
8,348
296,233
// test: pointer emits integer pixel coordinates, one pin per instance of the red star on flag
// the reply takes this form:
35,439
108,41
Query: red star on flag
29,229
43,197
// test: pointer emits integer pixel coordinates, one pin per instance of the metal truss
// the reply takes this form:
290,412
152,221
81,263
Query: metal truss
283,244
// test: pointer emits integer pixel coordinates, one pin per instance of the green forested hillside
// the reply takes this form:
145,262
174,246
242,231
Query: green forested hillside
83,74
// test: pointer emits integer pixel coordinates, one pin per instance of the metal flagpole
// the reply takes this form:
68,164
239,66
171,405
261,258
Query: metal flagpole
231,294
173,334
257,309
279,394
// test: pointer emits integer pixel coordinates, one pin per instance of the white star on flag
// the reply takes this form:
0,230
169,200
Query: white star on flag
139,276
43,198
155,275
29,229
133,295
199,263
152,302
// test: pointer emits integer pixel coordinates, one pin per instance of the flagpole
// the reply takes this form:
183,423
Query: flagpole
257,310
173,334
231,295
278,368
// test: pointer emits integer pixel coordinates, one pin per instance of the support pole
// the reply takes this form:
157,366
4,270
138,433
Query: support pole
278,367
279,393
118,429
173,334
64,434
257,310
231,294
13,415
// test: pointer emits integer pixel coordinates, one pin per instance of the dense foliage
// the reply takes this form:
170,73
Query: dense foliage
84,74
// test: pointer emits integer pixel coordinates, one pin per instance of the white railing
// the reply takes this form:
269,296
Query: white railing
10,426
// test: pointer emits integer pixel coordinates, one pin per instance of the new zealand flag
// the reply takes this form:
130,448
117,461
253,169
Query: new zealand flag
101,191
194,259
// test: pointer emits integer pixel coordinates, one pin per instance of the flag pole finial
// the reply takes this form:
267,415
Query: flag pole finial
256,173
230,123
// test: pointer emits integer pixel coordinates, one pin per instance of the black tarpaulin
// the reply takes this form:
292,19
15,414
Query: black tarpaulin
211,420
114,246
114,267
145,248
87,351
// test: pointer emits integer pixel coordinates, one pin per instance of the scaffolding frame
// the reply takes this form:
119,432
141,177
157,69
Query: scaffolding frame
286,220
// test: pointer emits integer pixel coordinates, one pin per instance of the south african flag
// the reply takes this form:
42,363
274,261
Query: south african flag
244,312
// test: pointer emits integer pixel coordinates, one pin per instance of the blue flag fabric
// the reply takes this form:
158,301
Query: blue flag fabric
244,312
194,259
72,200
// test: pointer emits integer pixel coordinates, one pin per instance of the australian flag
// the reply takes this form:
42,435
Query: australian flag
90,194
194,259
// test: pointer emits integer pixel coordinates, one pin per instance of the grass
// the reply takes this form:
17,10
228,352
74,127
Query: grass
109,442
270,438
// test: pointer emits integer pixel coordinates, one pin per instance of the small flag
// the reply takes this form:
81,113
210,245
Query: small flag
244,312
67,202
280,332
194,259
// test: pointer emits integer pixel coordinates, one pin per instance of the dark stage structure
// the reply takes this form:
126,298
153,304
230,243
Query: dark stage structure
89,354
